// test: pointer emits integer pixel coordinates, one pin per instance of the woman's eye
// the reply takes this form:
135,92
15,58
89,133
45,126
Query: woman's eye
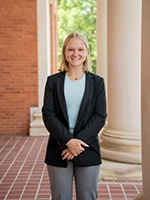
74,50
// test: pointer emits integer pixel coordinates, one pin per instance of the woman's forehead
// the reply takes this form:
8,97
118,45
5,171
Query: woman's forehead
75,42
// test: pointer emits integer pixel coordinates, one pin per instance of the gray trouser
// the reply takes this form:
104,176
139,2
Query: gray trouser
86,182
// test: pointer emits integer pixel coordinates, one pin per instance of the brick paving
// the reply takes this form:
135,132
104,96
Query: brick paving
23,174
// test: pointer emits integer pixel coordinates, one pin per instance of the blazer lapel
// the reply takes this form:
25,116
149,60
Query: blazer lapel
88,94
60,95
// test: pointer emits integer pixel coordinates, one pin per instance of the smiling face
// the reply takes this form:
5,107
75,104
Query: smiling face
75,52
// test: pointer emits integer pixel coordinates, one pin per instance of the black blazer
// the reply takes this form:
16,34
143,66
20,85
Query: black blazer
90,120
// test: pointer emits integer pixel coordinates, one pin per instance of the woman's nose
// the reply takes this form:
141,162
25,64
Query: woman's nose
75,52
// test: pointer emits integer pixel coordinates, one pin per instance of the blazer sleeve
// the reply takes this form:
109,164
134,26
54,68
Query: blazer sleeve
51,119
98,117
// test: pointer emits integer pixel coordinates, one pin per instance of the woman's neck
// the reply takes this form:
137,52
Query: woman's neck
75,74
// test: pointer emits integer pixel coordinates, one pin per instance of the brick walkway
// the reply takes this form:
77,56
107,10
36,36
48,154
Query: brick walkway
23,174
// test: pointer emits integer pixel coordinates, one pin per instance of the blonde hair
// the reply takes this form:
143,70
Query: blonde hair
64,63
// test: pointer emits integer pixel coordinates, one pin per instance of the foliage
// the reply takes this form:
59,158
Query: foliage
78,16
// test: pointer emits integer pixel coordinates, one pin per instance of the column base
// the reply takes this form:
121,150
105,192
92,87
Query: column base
37,127
38,132
121,146
116,170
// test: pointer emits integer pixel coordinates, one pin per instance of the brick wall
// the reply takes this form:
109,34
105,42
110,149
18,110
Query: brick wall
18,65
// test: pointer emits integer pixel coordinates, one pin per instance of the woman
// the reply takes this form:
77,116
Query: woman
74,112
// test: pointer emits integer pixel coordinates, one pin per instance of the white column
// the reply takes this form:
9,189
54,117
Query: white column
145,98
121,138
43,31
43,24
101,25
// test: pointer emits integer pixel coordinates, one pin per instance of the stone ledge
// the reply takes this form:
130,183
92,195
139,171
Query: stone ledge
116,170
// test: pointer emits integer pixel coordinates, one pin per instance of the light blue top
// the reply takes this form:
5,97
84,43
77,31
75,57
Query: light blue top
73,91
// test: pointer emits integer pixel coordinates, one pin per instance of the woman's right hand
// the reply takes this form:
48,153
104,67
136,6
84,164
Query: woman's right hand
76,146
66,154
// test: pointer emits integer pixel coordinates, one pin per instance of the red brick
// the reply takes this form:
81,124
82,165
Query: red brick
18,65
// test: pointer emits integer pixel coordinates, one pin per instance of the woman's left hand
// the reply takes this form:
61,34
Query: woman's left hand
66,154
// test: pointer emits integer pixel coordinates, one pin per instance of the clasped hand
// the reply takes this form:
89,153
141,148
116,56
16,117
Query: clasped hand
75,147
